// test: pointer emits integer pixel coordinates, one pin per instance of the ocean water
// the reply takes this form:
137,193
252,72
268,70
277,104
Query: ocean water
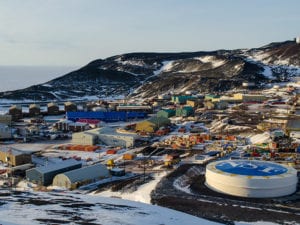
17,77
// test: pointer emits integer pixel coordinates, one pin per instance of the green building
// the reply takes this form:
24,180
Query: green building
185,111
167,113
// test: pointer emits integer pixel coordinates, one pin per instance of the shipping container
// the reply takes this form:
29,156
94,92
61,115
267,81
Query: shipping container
111,151
128,156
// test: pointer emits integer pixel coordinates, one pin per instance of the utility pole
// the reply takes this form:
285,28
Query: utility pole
144,169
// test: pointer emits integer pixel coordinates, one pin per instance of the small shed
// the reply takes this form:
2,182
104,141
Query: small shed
70,107
209,105
78,177
118,172
221,105
34,110
52,108
5,131
16,112
44,175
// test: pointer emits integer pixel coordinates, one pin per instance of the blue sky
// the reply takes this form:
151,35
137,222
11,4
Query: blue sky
74,32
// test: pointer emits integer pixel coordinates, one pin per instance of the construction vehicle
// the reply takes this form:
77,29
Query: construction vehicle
110,163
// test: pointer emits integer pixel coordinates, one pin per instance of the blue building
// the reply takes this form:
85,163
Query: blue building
112,116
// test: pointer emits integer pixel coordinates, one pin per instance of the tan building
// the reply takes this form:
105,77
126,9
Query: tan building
34,110
209,105
5,119
14,157
70,107
16,112
52,108
249,97
68,125
86,138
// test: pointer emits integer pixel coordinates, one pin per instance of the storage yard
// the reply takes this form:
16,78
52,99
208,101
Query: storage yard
209,153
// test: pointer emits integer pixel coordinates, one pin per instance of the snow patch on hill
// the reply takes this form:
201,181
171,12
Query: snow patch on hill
212,60
268,73
167,66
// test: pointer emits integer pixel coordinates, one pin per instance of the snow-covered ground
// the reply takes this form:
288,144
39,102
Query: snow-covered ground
71,208
142,194
260,138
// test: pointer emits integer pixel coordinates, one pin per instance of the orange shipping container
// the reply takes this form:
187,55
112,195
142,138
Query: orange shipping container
128,156
174,146
231,138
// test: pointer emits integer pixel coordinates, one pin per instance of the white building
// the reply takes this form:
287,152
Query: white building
111,137
251,178
86,138
106,135
298,40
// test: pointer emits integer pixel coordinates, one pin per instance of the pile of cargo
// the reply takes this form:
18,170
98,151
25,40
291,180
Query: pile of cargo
186,141
87,148
171,159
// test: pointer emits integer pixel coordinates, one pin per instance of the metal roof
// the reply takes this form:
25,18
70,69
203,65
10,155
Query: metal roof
14,151
113,132
57,166
293,124
251,168
87,173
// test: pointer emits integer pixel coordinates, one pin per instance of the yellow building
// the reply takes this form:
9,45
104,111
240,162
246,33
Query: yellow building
145,126
152,124
193,103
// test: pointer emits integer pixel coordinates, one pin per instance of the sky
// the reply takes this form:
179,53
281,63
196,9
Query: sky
75,32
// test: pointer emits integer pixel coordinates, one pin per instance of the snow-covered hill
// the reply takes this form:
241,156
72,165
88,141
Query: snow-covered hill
148,74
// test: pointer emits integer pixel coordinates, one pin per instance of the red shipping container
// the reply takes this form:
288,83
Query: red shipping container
111,151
